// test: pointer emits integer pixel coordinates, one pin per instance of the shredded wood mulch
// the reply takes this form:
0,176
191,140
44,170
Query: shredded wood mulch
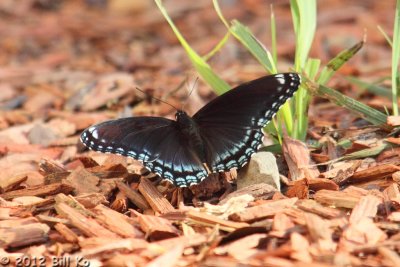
66,65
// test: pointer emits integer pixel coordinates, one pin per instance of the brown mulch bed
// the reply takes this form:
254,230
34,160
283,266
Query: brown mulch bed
66,65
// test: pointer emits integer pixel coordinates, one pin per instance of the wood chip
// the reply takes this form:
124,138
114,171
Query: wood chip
67,233
157,228
377,172
116,222
83,181
300,248
40,190
206,219
243,248
298,159
338,199
262,211
258,191
392,257
393,120
133,196
157,202
169,258
367,207
24,235
312,206
281,225
320,232
88,226
7,184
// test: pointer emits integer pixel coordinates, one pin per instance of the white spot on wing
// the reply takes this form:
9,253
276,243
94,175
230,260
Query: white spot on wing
95,134
280,80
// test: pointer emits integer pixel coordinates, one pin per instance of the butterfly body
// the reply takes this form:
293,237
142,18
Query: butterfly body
220,136
191,133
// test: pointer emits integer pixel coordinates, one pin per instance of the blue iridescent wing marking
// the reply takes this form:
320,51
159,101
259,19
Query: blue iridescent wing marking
231,124
155,141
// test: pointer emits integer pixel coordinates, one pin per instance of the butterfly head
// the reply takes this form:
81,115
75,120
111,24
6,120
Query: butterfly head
180,115
184,120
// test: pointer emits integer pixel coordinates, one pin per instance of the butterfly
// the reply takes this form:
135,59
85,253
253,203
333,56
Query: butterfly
222,135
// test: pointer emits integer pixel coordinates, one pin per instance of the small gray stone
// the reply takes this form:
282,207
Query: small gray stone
262,168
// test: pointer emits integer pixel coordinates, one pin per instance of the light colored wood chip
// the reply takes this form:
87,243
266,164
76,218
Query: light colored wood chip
281,224
392,193
258,191
298,159
133,196
67,233
394,216
169,258
278,262
312,206
262,211
88,226
24,235
157,228
367,207
242,248
202,218
393,120
391,257
93,246
83,181
300,248
192,240
339,199
364,232
157,202
396,176
122,259
320,232
116,222
11,182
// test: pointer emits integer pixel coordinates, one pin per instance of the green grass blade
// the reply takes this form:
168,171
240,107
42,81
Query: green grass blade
369,114
395,58
217,47
385,35
311,68
338,61
205,71
260,52
248,40
304,14
370,87
368,152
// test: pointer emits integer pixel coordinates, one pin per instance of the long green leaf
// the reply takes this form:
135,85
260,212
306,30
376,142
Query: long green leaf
304,14
205,71
370,87
244,35
369,114
338,61
395,58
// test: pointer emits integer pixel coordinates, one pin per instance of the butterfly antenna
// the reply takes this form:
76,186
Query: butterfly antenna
190,93
165,102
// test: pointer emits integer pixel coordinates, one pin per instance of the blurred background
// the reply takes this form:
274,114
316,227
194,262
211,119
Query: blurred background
54,52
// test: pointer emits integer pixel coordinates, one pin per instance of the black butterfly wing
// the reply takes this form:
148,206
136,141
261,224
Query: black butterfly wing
231,125
155,141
